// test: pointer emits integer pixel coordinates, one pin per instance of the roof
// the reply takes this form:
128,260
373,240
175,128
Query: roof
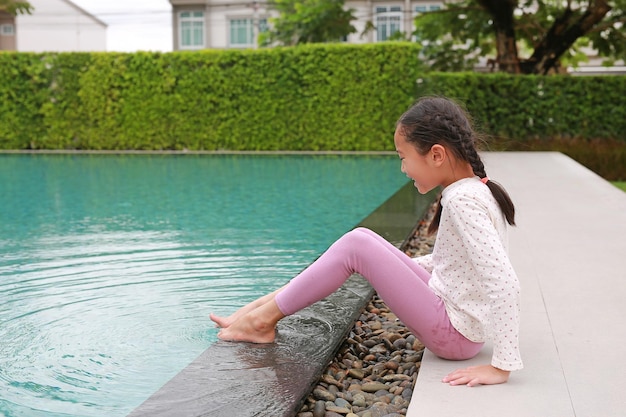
85,12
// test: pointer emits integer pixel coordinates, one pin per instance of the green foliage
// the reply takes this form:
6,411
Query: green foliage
306,98
583,117
23,93
62,112
522,107
308,21
455,37
465,30
16,7
609,38
310,97
532,106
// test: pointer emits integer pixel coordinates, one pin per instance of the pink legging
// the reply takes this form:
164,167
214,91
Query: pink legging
398,280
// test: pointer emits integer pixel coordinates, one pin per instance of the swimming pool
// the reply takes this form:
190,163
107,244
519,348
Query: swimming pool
110,264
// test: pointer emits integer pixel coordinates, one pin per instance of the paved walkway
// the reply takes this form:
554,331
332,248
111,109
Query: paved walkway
569,250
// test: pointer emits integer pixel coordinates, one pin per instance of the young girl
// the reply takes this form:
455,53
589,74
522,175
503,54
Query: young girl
453,300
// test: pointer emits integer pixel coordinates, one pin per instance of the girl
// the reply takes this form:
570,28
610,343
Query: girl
453,300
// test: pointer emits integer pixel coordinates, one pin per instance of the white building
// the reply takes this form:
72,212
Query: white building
53,26
202,24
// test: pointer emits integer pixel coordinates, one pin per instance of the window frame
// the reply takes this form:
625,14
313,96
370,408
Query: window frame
193,21
388,15
4,27
249,27
427,7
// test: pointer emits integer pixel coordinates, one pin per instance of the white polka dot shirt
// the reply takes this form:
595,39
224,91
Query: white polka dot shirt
472,273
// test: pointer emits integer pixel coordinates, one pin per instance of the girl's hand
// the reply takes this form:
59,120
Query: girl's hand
476,375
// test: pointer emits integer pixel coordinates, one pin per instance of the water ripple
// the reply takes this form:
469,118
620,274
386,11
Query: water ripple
79,311
109,265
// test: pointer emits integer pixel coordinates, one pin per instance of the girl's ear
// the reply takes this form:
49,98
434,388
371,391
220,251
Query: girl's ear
438,154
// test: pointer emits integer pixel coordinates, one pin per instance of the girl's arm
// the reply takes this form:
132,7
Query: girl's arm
496,278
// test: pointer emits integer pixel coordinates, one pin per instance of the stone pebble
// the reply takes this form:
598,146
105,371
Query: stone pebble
374,371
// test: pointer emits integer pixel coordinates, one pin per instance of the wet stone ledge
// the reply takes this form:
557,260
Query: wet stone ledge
274,380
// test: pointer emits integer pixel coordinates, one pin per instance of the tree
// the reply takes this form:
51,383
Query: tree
308,21
548,32
15,7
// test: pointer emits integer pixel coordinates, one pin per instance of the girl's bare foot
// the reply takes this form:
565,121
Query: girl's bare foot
245,331
221,321
224,322
257,326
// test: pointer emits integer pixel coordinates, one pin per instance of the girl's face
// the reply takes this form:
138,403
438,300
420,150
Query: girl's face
422,169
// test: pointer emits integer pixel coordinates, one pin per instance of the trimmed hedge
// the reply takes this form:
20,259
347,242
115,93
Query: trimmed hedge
537,107
583,117
310,97
315,97
23,91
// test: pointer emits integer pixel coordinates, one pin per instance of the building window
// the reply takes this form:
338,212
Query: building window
427,8
242,32
191,26
7,29
388,21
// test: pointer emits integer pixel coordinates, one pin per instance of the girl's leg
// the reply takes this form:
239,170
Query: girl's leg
419,271
400,282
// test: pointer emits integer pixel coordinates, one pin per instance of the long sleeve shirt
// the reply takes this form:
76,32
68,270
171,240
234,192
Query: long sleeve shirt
472,273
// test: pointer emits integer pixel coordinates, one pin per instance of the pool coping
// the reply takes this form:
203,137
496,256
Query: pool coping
273,380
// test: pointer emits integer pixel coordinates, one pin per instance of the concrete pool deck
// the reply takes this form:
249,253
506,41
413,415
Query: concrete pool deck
569,251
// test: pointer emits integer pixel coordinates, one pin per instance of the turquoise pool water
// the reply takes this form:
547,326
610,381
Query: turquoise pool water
110,264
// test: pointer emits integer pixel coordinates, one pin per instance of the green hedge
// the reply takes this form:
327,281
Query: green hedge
316,97
536,107
24,89
583,117
311,97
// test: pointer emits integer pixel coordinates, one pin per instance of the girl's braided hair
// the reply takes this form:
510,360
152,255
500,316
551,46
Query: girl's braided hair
438,120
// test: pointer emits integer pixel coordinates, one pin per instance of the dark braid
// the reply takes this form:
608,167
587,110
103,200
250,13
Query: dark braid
471,156
437,120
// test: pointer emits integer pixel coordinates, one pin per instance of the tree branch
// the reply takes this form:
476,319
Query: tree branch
562,35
